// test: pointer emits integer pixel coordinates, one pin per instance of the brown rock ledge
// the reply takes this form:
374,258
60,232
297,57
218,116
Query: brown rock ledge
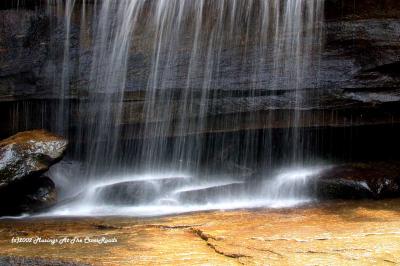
335,233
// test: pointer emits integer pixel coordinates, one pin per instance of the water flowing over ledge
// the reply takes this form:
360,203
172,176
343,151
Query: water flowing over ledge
191,48
184,42
165,194
140,85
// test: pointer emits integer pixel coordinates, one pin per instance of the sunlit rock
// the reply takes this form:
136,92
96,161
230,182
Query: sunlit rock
29,154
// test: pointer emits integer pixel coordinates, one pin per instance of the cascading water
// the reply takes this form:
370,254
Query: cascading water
200,54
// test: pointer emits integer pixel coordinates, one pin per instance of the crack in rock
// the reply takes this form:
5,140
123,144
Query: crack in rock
226,254
267,250
281,239
390,261
169,227
207,237
323,238
106,227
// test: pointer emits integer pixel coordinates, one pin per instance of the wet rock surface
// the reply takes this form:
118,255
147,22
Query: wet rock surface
29,154
375,180
170,191
137,192
212,193
24,158
339,233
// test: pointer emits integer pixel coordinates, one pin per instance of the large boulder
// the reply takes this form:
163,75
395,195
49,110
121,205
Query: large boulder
24,158
29,154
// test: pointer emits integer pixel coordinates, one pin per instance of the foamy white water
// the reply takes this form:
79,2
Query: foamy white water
160,210
286,188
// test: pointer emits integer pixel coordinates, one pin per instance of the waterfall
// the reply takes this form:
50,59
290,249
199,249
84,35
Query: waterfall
199,55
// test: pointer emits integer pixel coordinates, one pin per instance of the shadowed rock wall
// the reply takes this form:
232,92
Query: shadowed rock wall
357,82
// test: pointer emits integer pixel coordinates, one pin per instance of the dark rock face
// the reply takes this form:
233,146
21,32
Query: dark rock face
361,9
338,188
23,52
27,196
363,180
357,80
29,154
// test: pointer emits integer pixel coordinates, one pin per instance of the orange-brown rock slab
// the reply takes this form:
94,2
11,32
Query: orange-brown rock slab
336,233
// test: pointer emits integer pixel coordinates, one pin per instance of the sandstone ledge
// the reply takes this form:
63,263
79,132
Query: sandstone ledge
339,233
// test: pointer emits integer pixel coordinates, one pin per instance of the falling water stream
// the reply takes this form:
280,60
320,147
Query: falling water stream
195,51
